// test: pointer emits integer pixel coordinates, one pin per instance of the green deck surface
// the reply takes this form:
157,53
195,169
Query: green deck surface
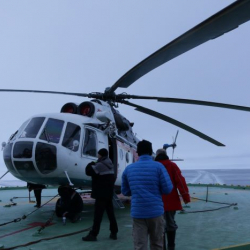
199,228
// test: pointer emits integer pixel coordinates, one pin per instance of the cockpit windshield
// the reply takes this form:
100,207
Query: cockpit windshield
52,130
32,128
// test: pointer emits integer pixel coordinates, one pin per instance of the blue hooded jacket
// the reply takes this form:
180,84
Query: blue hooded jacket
146,180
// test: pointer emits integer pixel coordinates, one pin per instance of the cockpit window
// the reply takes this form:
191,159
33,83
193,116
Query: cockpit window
52,130
23,149
72,136
32,128
89,147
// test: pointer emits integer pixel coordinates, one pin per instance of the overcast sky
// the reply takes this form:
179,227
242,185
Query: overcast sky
85,46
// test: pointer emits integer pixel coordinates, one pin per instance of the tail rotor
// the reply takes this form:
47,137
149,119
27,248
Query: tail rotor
173,145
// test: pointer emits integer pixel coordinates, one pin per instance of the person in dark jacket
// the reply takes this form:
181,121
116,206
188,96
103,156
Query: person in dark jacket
70,204
103,179
37,192
146,181
172,201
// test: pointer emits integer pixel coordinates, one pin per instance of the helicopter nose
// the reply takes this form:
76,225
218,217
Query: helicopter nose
28,160
20,161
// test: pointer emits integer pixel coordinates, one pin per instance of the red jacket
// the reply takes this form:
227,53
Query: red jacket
172,200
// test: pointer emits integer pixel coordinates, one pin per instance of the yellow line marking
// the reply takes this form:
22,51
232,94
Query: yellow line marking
232,247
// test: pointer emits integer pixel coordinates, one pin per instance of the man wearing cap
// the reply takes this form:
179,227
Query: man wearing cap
103,179
172,201
146,180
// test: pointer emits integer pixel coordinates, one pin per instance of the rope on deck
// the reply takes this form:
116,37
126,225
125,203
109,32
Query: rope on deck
207,200
212,209
25,216
209,210
49,238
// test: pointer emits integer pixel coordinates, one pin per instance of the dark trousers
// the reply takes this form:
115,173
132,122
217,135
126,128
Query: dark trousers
100,207
170,221
38,195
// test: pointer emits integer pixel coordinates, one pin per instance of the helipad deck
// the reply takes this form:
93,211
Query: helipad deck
204,225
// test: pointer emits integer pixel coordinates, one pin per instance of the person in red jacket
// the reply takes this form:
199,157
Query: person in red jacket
172,201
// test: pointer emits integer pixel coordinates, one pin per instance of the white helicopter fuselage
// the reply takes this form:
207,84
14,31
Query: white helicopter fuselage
55,149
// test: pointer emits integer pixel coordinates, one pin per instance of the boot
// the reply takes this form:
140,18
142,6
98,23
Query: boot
113,236
89,237
171,240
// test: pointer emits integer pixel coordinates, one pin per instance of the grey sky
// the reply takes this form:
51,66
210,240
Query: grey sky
85,46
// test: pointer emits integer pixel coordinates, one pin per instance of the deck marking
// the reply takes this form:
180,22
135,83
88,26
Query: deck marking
31,225
234,247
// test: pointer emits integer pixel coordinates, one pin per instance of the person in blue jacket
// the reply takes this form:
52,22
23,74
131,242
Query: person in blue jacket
145,181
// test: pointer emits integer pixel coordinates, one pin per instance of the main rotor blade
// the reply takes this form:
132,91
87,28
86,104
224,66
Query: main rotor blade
44,92
174,122
187,101
223,21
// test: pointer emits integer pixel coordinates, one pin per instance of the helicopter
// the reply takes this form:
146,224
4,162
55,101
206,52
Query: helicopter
54,149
